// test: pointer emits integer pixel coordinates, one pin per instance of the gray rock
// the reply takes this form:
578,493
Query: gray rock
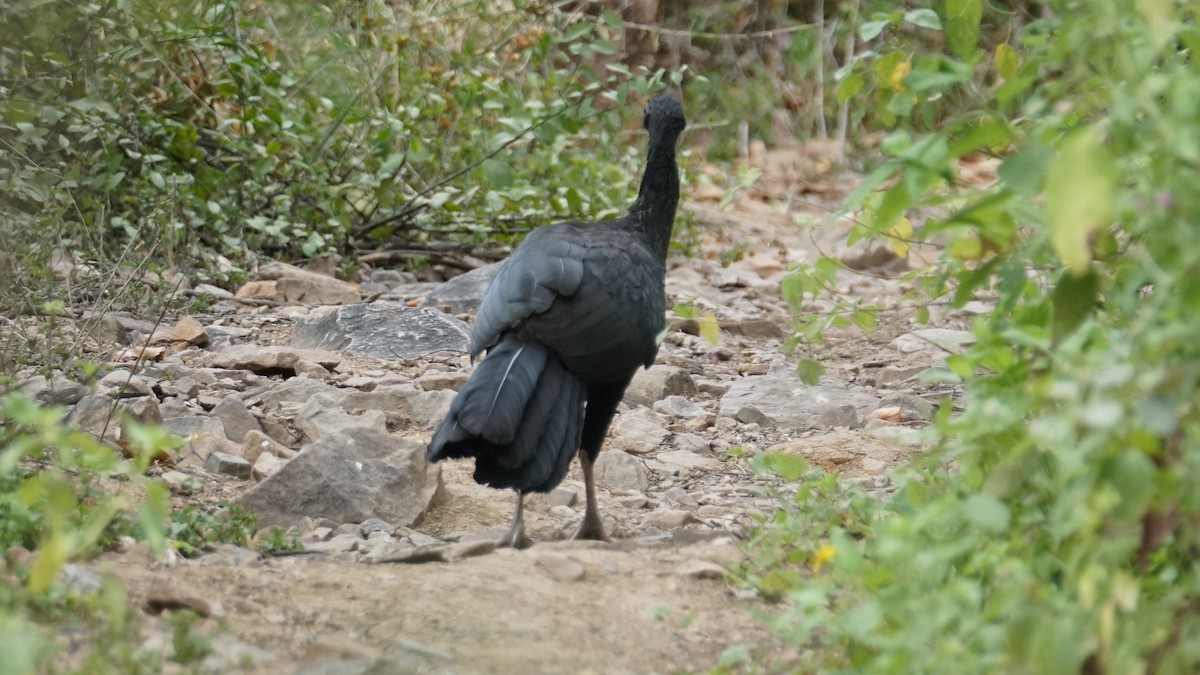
678,406
376,525
257,443
676,461
383,330
320,290
912,407
636,432
300,390
562,496
195,426
464,292
402,403
657,383
321,417
934,340
125,385
781,400
95,413
667,519
228,464
678,495
693,443
266,465
843,416
392,278
617,469
436,380
349,477
236,418
57,390
272,358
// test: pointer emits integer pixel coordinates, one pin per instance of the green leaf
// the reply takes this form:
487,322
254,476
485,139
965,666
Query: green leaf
786,465
1005,58
710,330
962,19
1080,195
1024,171
924,18
1074,300
986,511
871,30
849,86
810,371
577,31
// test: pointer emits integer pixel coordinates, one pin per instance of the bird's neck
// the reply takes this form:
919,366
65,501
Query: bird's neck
654,210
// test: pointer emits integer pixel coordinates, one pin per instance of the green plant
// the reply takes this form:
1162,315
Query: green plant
52,505
1052,528
191,528
297,129
276,540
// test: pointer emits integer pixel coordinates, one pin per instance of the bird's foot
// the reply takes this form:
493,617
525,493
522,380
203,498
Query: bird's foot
515,538
591,529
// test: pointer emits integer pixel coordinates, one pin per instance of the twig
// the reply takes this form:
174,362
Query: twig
704,34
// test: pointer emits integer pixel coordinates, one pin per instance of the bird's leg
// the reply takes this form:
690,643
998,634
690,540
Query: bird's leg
516,537
592,527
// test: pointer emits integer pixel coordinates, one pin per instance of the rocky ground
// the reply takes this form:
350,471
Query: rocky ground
308,400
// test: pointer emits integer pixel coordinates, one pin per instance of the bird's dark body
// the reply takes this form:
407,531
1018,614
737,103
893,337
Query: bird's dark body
568,320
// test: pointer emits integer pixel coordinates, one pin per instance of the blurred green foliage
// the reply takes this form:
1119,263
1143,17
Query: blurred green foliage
295,129
1052,528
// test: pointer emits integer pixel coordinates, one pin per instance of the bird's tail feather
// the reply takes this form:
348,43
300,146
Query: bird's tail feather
520,414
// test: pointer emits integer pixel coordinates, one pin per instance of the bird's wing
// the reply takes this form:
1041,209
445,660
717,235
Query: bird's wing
547,265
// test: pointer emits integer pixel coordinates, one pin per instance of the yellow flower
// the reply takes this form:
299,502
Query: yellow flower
822,555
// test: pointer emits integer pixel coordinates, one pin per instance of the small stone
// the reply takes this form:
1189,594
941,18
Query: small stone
637,433
678,406
667,519
562,511
236,418
263,289
125,384
437,380
228,465
700,569
693,443
167,595
188,330
634,501
933,340
339,543
349,528
257,443
371,525
912,408
842,416
658,382
562,496
678,495
181,483
617,469
561,567
266,465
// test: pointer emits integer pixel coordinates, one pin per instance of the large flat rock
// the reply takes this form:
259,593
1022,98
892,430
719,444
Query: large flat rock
383,330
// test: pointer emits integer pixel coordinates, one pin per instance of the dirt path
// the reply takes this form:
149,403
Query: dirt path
655,601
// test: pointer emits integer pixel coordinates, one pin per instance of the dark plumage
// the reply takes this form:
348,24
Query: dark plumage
568,320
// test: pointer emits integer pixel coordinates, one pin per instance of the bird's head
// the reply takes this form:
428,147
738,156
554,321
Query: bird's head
664,115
